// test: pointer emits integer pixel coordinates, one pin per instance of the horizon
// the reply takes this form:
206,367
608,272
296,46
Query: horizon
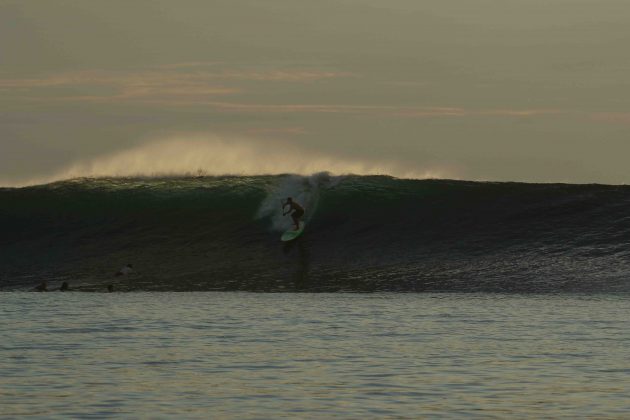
196,175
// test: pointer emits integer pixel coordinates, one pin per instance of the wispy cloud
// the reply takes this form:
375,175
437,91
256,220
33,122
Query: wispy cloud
463,112
611,117
201,84
277,131
521,112
221,71
164,76
176,84
303,76
190,64
116,86
379,110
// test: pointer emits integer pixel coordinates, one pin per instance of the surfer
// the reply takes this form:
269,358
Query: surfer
298,211
128,269
43,287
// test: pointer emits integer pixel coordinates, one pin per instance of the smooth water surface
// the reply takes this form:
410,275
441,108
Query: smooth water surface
242,355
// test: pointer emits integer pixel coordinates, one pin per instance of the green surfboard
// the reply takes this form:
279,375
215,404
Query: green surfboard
291,234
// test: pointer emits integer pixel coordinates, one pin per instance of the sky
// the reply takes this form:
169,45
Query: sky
495,90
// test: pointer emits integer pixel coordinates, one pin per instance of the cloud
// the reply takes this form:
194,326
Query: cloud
376,110
119,87
611,117
214,155
277,130
461,112
283,75
177,84
202,84
190,64
520,112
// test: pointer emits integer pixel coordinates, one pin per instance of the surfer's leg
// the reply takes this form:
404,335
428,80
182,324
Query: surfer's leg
297,215
296,220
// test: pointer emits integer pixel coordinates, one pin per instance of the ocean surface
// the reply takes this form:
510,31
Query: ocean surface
316,355
363,234
402,299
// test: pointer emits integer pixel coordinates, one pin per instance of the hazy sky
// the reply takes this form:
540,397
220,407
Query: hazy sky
525,90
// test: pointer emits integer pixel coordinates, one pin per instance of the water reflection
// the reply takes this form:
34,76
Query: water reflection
298,257
245,355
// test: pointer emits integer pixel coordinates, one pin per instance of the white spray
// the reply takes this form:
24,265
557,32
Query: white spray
304,190
215,155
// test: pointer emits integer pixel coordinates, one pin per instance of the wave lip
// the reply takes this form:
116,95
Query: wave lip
364,233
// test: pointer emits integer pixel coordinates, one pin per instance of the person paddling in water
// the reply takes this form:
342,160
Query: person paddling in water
298,211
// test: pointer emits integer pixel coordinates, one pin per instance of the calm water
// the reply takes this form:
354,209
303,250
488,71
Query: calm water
239,355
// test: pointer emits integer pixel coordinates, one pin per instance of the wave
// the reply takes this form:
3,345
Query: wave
364,233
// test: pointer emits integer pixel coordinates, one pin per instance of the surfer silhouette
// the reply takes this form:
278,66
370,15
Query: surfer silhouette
43,287
128,269
298,211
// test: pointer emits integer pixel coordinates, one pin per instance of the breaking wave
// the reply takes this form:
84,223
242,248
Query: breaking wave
364,233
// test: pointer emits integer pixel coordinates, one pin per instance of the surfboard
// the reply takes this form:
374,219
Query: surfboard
291,234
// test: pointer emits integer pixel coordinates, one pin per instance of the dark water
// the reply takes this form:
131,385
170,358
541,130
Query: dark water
363,234
351,356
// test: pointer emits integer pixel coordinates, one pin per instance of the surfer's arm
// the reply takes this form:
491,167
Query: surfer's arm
284,204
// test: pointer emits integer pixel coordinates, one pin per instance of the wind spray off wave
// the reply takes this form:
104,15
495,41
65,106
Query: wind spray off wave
216,155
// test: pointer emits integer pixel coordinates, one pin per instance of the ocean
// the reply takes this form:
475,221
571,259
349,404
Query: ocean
402,299
314,355
363,234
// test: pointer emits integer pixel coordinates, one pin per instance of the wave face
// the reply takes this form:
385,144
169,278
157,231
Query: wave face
364,233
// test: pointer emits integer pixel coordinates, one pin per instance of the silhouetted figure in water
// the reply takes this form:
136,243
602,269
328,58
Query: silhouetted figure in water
64,287
298,211
43,287
110,288
128,269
